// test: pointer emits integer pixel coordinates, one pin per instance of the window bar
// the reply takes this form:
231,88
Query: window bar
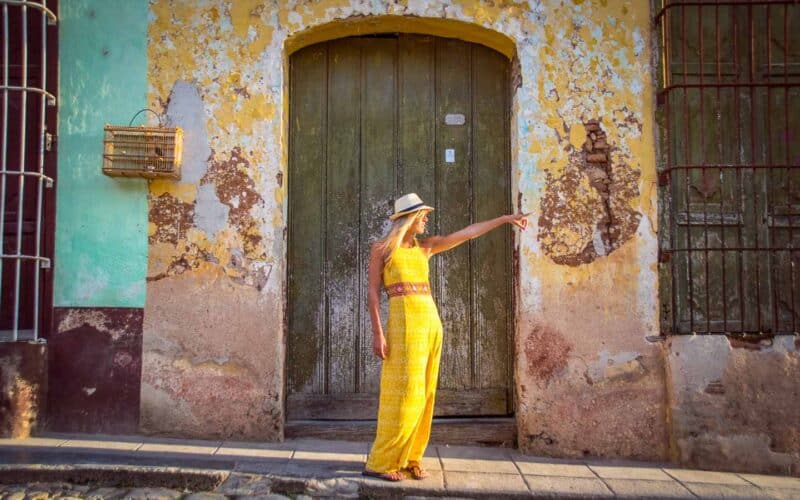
770,192
4,149
739,180
40,183
22,157
703,171
666,27
771,243
686,176
788,145
720,172
752,77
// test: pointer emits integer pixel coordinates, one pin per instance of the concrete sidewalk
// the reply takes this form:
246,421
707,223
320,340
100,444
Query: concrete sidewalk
332,468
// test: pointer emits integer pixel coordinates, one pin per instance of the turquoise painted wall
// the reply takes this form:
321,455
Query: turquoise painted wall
101,222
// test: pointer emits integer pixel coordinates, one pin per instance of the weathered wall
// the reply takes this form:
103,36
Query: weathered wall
585,164
101,242
734,404
95,363
101,250
23,388
587,279
213,337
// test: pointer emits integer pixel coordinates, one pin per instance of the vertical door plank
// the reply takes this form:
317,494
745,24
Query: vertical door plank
378,158
416,115
453,186
417,127
306,184
342,206
491,270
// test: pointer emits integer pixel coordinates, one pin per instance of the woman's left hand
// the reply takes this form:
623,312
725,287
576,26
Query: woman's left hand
520,220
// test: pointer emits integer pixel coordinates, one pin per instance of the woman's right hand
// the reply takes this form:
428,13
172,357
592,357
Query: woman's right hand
379,346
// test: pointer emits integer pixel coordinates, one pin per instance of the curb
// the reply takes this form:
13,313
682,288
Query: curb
115,475
222,481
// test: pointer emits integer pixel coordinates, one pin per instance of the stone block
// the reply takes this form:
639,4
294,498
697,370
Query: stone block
779,482
476,459
153,494
572,487
639,473
251,450
553,469
470,483
189,447
703,476
640,489
744,492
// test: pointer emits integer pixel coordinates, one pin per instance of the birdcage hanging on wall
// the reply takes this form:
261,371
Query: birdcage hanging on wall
150,152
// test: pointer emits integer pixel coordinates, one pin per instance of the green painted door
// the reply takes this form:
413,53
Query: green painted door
373,118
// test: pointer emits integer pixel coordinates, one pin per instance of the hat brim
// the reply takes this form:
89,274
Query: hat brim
417,209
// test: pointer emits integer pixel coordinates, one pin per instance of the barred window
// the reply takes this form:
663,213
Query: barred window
729,166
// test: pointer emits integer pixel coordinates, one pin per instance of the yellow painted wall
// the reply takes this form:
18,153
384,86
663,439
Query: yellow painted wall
217,237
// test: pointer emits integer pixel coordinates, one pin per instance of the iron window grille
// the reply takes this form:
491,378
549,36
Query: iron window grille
27,120
729,166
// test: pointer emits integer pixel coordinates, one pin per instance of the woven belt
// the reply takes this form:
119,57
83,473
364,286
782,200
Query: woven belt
406,288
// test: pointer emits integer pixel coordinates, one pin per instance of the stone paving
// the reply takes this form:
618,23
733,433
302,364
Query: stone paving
83,466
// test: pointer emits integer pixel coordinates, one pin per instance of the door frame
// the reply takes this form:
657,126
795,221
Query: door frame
504,428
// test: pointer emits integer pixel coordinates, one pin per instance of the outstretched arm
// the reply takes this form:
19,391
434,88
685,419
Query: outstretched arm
437,244
374,301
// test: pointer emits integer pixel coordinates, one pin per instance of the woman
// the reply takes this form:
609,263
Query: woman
412,346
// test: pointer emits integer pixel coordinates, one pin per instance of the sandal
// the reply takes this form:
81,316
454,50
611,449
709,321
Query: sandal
417,472
386,476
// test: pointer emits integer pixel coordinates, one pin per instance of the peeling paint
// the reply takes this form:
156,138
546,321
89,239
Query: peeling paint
547,352
23,388
95,355
210,215
573,63
586,212
729,408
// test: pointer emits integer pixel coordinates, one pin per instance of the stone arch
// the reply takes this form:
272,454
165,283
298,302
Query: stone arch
361,25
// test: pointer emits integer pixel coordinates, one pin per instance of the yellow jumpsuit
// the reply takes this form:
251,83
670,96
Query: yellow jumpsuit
411,369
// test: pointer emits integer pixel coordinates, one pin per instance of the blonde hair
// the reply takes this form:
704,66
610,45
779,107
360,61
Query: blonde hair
397,231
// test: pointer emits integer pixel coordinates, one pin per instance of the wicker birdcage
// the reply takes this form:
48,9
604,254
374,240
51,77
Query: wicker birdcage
151,152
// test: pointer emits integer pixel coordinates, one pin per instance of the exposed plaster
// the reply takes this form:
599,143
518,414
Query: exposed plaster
586,212
185,110
210,214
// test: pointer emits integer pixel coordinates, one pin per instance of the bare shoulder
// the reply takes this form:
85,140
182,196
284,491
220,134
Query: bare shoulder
428,244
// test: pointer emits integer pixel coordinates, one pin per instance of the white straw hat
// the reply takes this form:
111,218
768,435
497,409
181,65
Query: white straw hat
407,204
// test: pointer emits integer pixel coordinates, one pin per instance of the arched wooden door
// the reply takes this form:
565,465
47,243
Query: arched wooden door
371,118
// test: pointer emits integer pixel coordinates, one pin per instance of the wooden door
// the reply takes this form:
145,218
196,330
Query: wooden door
373,118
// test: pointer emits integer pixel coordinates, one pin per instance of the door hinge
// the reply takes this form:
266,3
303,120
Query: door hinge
664,255
49,141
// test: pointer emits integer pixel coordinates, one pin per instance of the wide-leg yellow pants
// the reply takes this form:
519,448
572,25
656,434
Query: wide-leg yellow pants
408,383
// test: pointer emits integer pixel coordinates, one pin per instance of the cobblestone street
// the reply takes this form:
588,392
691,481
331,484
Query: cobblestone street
48,491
